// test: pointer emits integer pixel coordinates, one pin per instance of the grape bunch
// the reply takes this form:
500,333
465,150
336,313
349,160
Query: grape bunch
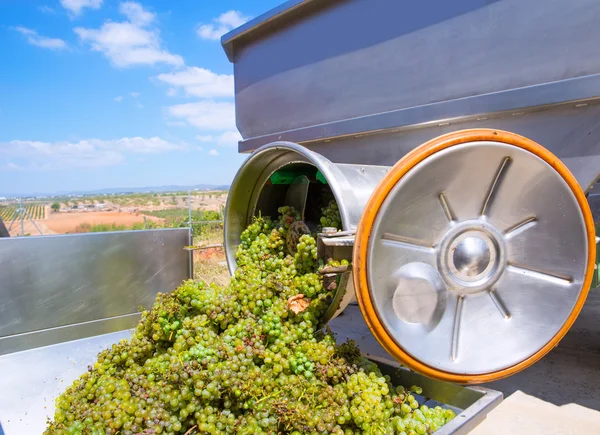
330,215
246,359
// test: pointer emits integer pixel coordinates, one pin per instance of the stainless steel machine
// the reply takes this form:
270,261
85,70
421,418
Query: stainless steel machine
471,127
460,140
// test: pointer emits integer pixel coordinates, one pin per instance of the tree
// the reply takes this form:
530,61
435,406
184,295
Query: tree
55,207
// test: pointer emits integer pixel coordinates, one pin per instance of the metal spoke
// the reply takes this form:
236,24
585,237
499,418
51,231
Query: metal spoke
487,237
406,241
521,226
456,329
495,297
540,274
446,207
494,186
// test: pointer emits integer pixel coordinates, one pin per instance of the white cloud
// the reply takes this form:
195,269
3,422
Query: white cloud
134,94
131,42
226,139
143,145
119,98
229,139
172,92
42,41
136,13
85,153
200,82
139,105
221,25
46,9
206,115
76,6
62,155
213,152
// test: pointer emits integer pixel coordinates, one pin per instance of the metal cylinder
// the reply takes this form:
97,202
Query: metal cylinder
474,256
252,192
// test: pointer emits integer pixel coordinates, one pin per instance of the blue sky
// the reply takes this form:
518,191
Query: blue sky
105,93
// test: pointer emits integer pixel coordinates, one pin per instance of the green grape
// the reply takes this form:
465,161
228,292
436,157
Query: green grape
242,359
330,215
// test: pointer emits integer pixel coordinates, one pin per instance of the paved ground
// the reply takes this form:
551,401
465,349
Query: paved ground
568,374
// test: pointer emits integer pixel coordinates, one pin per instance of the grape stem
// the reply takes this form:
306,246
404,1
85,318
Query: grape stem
190,430
277,393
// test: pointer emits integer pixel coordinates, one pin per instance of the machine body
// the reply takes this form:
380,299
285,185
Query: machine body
474,253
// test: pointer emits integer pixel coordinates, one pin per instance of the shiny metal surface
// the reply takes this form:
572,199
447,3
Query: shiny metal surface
76,331
569,131
474,403
38,376
477,257
262,21
338,246
471,257
250,193
292,70
56,288
471,404
576,92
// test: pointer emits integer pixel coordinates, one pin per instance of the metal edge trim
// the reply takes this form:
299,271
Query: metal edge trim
46,337
539,96
101,234
277,12
329,170
470,417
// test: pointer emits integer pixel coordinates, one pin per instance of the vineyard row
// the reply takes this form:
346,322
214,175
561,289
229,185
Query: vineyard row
8,213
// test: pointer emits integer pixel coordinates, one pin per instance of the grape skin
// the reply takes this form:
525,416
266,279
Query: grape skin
330,215
235,360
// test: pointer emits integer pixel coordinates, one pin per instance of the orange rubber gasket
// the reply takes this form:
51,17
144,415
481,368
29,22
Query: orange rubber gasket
380,194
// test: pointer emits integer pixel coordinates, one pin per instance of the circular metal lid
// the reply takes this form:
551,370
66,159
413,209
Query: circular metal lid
474,256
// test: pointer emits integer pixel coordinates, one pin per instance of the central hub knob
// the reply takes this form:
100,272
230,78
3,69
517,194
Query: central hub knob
471,257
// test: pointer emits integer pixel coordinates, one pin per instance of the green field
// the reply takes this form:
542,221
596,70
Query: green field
207,226
181,215
8,212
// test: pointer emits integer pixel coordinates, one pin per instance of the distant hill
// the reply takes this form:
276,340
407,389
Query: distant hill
117,190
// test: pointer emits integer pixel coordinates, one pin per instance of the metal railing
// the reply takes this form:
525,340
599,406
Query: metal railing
204,224
22,215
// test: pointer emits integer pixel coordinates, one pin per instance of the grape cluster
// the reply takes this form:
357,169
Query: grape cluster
245,359
330,215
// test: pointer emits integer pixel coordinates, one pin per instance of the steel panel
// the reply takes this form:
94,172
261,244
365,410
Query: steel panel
53,287
348,59
570,131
